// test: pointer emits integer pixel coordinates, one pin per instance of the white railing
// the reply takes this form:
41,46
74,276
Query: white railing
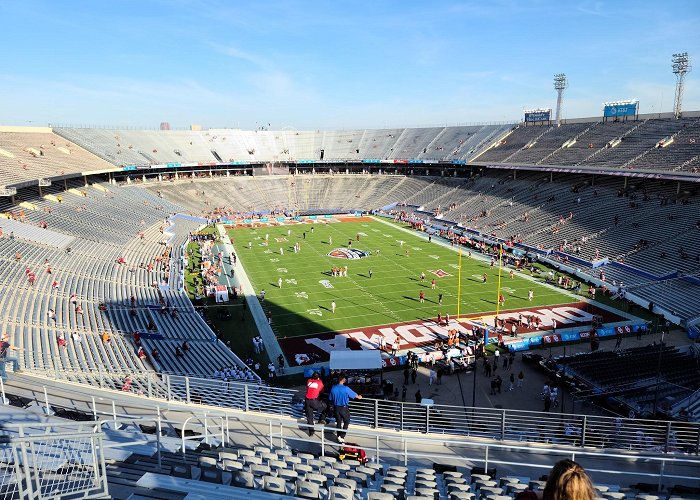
36,464
219,429
501,425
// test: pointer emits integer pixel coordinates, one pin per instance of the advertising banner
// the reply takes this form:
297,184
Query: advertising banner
617,110
538,116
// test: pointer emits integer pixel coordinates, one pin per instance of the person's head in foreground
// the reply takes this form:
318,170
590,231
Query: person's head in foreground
568,481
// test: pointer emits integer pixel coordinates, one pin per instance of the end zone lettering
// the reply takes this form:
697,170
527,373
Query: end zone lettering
419,334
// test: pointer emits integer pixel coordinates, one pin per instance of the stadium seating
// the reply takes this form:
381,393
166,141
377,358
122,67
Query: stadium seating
631,145
305,475
226,472
463,143
413,142
98,228
632,374
510,146
82,229
201,468
129,147
493,204
30,154
563,214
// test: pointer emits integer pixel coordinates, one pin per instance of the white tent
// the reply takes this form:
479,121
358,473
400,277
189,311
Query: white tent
221,293
356,360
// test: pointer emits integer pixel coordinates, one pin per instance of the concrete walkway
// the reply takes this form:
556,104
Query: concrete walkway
460,389
272,347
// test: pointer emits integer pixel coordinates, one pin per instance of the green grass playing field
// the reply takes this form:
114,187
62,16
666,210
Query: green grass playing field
302,305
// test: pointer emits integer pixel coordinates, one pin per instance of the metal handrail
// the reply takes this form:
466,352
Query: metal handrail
224,419
401,446
487,423
403,441
23,474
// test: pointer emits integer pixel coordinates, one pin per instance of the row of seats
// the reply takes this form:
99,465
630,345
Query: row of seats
128,147
631,144
120,241
288,473
27,156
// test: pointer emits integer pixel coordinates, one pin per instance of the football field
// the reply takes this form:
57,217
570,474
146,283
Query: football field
302,305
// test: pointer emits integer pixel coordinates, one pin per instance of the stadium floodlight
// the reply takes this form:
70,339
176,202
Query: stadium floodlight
560,84
681,66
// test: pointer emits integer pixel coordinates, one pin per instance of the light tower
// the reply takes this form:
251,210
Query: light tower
681,66
560,84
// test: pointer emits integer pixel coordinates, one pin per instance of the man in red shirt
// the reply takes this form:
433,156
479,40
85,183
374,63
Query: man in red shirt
312,403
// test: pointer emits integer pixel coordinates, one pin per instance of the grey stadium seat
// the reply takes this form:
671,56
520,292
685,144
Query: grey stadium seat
306,489
275,484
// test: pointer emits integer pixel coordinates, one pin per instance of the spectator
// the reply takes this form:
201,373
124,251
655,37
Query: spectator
340,397
126,386
312,403
106,338
568,481
5,345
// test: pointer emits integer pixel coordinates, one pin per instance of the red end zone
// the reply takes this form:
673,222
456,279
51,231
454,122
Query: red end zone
238,223
425,332
355,219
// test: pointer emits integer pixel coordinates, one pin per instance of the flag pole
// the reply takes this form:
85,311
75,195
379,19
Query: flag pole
498,291
500,265
459,281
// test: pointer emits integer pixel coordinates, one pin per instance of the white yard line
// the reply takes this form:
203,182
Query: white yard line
478,255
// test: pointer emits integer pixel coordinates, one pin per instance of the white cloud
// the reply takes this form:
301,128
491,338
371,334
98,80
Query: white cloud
243,55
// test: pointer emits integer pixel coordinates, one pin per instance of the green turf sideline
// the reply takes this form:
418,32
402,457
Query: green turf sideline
255,308
302,305
601,300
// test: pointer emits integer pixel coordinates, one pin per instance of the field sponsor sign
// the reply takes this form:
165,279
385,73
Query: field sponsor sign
440,273
418,334
347,253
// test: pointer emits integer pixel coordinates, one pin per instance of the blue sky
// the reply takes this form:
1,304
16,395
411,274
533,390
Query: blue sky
333,64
